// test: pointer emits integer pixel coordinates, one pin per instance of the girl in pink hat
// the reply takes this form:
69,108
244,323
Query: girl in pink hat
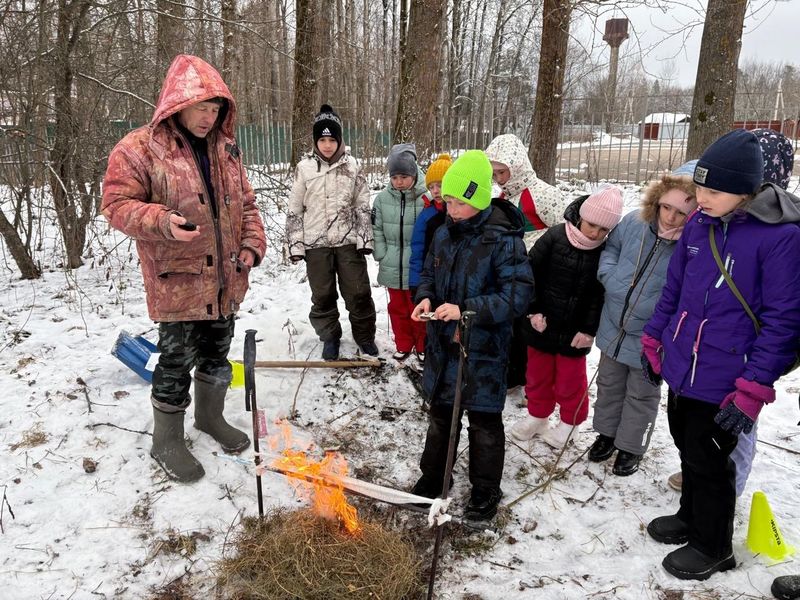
564,316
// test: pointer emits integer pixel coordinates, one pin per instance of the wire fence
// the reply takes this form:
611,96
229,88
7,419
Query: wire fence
632,141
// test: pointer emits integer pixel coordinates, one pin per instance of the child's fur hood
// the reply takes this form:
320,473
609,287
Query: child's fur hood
657,188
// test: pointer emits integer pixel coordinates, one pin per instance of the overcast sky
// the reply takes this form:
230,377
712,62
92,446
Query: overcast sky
770,34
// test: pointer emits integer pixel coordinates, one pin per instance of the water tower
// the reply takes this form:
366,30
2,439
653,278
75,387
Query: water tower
616,33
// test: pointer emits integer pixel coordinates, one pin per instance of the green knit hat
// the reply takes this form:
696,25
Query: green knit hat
469,179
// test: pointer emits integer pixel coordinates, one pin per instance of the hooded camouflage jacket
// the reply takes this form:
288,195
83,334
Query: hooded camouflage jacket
152,173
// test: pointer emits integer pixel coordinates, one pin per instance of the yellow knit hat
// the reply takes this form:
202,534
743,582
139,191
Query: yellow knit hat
437,169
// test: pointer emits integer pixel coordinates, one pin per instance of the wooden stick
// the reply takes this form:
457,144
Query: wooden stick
317,364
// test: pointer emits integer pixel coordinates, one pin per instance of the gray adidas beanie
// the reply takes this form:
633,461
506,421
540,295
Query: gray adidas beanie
402,160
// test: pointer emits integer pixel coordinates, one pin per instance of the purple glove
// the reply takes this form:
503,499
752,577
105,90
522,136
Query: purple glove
739,410
650,348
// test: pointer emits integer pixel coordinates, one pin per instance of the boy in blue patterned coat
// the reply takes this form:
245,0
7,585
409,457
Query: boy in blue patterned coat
476,262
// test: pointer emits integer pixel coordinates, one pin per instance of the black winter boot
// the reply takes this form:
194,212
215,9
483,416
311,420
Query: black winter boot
330,350
209,402
369,348
786,587
483,504
668,530
690,563
626,463
602,449
169,448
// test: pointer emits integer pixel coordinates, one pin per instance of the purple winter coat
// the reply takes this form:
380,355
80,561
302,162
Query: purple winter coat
708,338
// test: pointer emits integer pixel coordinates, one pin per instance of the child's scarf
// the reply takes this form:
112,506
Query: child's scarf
580,241
669,234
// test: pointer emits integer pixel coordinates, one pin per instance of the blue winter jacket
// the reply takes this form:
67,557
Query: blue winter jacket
427,222
479,264
633,267
708,338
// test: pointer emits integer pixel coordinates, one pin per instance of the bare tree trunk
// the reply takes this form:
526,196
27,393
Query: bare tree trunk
546,117
454,66
72,211
514,92
715,86
305,79
200,32
20,254
403,27
323,57
420,77
498,33
171,36
228,14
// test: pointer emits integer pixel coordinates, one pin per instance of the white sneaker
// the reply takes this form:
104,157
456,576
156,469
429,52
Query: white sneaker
560,435
528,427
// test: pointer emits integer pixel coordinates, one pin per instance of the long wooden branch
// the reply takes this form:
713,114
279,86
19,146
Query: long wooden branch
317,364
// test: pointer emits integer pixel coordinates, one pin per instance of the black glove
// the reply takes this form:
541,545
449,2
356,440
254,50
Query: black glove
733,420
364,251
649,375
297,258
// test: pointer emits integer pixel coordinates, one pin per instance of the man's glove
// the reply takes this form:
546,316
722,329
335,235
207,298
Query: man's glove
739,410
651,360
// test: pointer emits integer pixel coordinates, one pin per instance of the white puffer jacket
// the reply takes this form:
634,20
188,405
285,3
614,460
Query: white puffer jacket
328,206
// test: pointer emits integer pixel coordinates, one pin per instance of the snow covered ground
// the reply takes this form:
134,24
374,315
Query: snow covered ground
106,534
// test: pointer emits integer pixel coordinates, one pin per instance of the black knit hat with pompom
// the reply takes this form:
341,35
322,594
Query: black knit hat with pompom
327,124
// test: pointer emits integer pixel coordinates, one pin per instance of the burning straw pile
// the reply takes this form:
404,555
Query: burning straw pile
297,554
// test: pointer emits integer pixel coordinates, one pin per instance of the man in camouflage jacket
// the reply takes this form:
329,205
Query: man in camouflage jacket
178,187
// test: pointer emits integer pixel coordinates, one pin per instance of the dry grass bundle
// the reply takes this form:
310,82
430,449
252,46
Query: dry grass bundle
296,554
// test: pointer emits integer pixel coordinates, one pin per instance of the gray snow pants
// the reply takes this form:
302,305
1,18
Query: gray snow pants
626,406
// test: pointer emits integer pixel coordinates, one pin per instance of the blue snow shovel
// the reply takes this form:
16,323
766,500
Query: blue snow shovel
136,353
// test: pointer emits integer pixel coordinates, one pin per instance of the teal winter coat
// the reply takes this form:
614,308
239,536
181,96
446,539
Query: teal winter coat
393,216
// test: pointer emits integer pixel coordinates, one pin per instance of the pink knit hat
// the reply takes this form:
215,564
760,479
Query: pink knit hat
603,208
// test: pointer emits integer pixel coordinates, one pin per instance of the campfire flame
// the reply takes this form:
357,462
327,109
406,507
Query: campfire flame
317,481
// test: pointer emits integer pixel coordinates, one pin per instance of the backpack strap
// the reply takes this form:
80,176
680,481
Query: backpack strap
732,286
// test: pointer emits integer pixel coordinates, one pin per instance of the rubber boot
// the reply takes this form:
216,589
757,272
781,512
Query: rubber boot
209,402
169,449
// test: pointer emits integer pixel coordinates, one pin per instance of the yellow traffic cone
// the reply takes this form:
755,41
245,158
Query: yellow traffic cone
763,534
237,369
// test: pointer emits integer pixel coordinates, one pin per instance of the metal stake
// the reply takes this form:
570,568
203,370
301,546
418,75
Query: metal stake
250,403
462,333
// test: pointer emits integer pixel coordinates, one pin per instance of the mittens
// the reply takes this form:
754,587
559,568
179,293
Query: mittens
651,360
739,410
650,376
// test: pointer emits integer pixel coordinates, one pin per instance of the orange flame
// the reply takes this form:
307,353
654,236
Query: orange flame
322,487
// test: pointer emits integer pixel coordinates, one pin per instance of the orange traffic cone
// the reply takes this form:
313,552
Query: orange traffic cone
763,534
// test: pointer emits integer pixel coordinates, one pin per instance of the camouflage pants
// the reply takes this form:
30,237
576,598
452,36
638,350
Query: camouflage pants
184,345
